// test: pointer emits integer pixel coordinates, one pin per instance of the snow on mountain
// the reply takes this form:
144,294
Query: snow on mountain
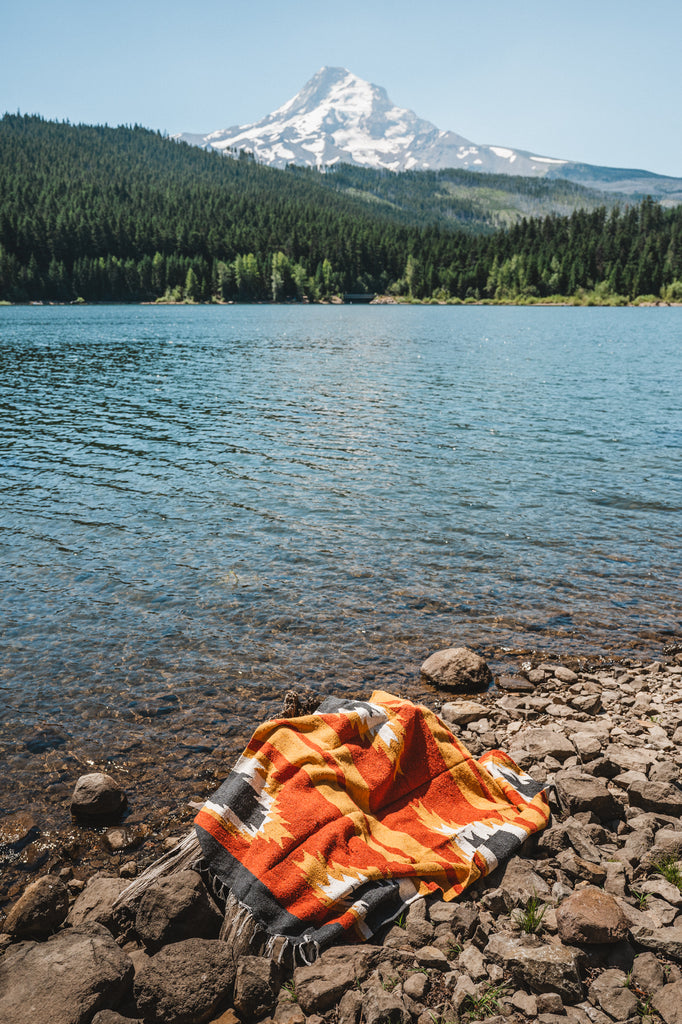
338,117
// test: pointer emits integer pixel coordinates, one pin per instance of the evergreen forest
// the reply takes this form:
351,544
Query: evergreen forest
101,214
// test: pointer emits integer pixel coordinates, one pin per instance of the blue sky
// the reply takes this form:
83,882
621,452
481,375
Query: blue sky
597,81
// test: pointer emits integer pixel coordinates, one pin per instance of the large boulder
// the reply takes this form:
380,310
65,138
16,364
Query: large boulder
40,909
175,908
97,796
64,980
186,982
457,668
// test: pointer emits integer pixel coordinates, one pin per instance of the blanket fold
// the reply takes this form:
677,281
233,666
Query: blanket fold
330,824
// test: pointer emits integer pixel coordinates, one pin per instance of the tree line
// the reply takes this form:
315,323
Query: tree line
127,215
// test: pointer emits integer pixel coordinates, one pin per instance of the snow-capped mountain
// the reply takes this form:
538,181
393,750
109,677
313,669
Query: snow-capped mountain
338,117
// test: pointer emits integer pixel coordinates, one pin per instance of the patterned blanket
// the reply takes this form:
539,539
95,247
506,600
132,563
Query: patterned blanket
332,823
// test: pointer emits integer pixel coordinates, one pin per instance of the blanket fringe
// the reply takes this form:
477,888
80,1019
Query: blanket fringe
246,935
186,855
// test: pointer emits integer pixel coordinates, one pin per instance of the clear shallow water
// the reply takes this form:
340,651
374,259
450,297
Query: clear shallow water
203,506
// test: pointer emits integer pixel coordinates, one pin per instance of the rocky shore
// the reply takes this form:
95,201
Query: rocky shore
584,927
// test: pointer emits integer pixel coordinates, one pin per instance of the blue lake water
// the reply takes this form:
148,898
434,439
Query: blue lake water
204,506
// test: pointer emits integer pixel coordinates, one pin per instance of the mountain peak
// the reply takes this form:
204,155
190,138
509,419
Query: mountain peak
338,117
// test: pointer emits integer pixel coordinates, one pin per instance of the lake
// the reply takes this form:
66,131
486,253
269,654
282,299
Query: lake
205,506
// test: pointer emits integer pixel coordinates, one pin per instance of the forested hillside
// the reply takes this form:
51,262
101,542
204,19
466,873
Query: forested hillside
124,214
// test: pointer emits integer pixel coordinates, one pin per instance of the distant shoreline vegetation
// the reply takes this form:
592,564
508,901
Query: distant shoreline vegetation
98,214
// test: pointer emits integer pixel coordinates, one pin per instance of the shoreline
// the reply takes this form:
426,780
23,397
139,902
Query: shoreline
379,300
606,740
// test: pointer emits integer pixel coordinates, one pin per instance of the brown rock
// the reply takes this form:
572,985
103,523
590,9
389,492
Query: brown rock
175,908
40,910
97,796
668,1002
64,980
542,966
648,974
461,712
610,992
96,904
318,988
579,792
457,668
186,982
255,988
542,743
590,916
659,797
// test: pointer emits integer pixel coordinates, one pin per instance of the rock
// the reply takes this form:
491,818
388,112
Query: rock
581,870
587,745
542,743
432,958
661,887
665,941
515,684
349,1008
471,961
415,986
539,965
660,797
519,882
186,982
590,916
579,792
97,796
111,1017
255,987
610,992
648,974
457,668
461,917
380,1006
525,1002
16,832
461,712
565,675
668,1002
64,980
40,910
318,988
96,904
174,908
125,837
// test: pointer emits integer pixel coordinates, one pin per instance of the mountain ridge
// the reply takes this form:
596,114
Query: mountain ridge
338,117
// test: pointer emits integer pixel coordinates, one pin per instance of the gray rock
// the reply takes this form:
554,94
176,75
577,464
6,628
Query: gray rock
519,881
318,988
565,675
668,1002
349,1008
648,974
380,1006
96,904
176,908
40,909
472,962
415,986
461,712
667,942
255,987
590,916
64,980
579,792
542,743
432,958
610,992
186,982
539,965
111,1017
660,797
461,917
97,796
457,668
